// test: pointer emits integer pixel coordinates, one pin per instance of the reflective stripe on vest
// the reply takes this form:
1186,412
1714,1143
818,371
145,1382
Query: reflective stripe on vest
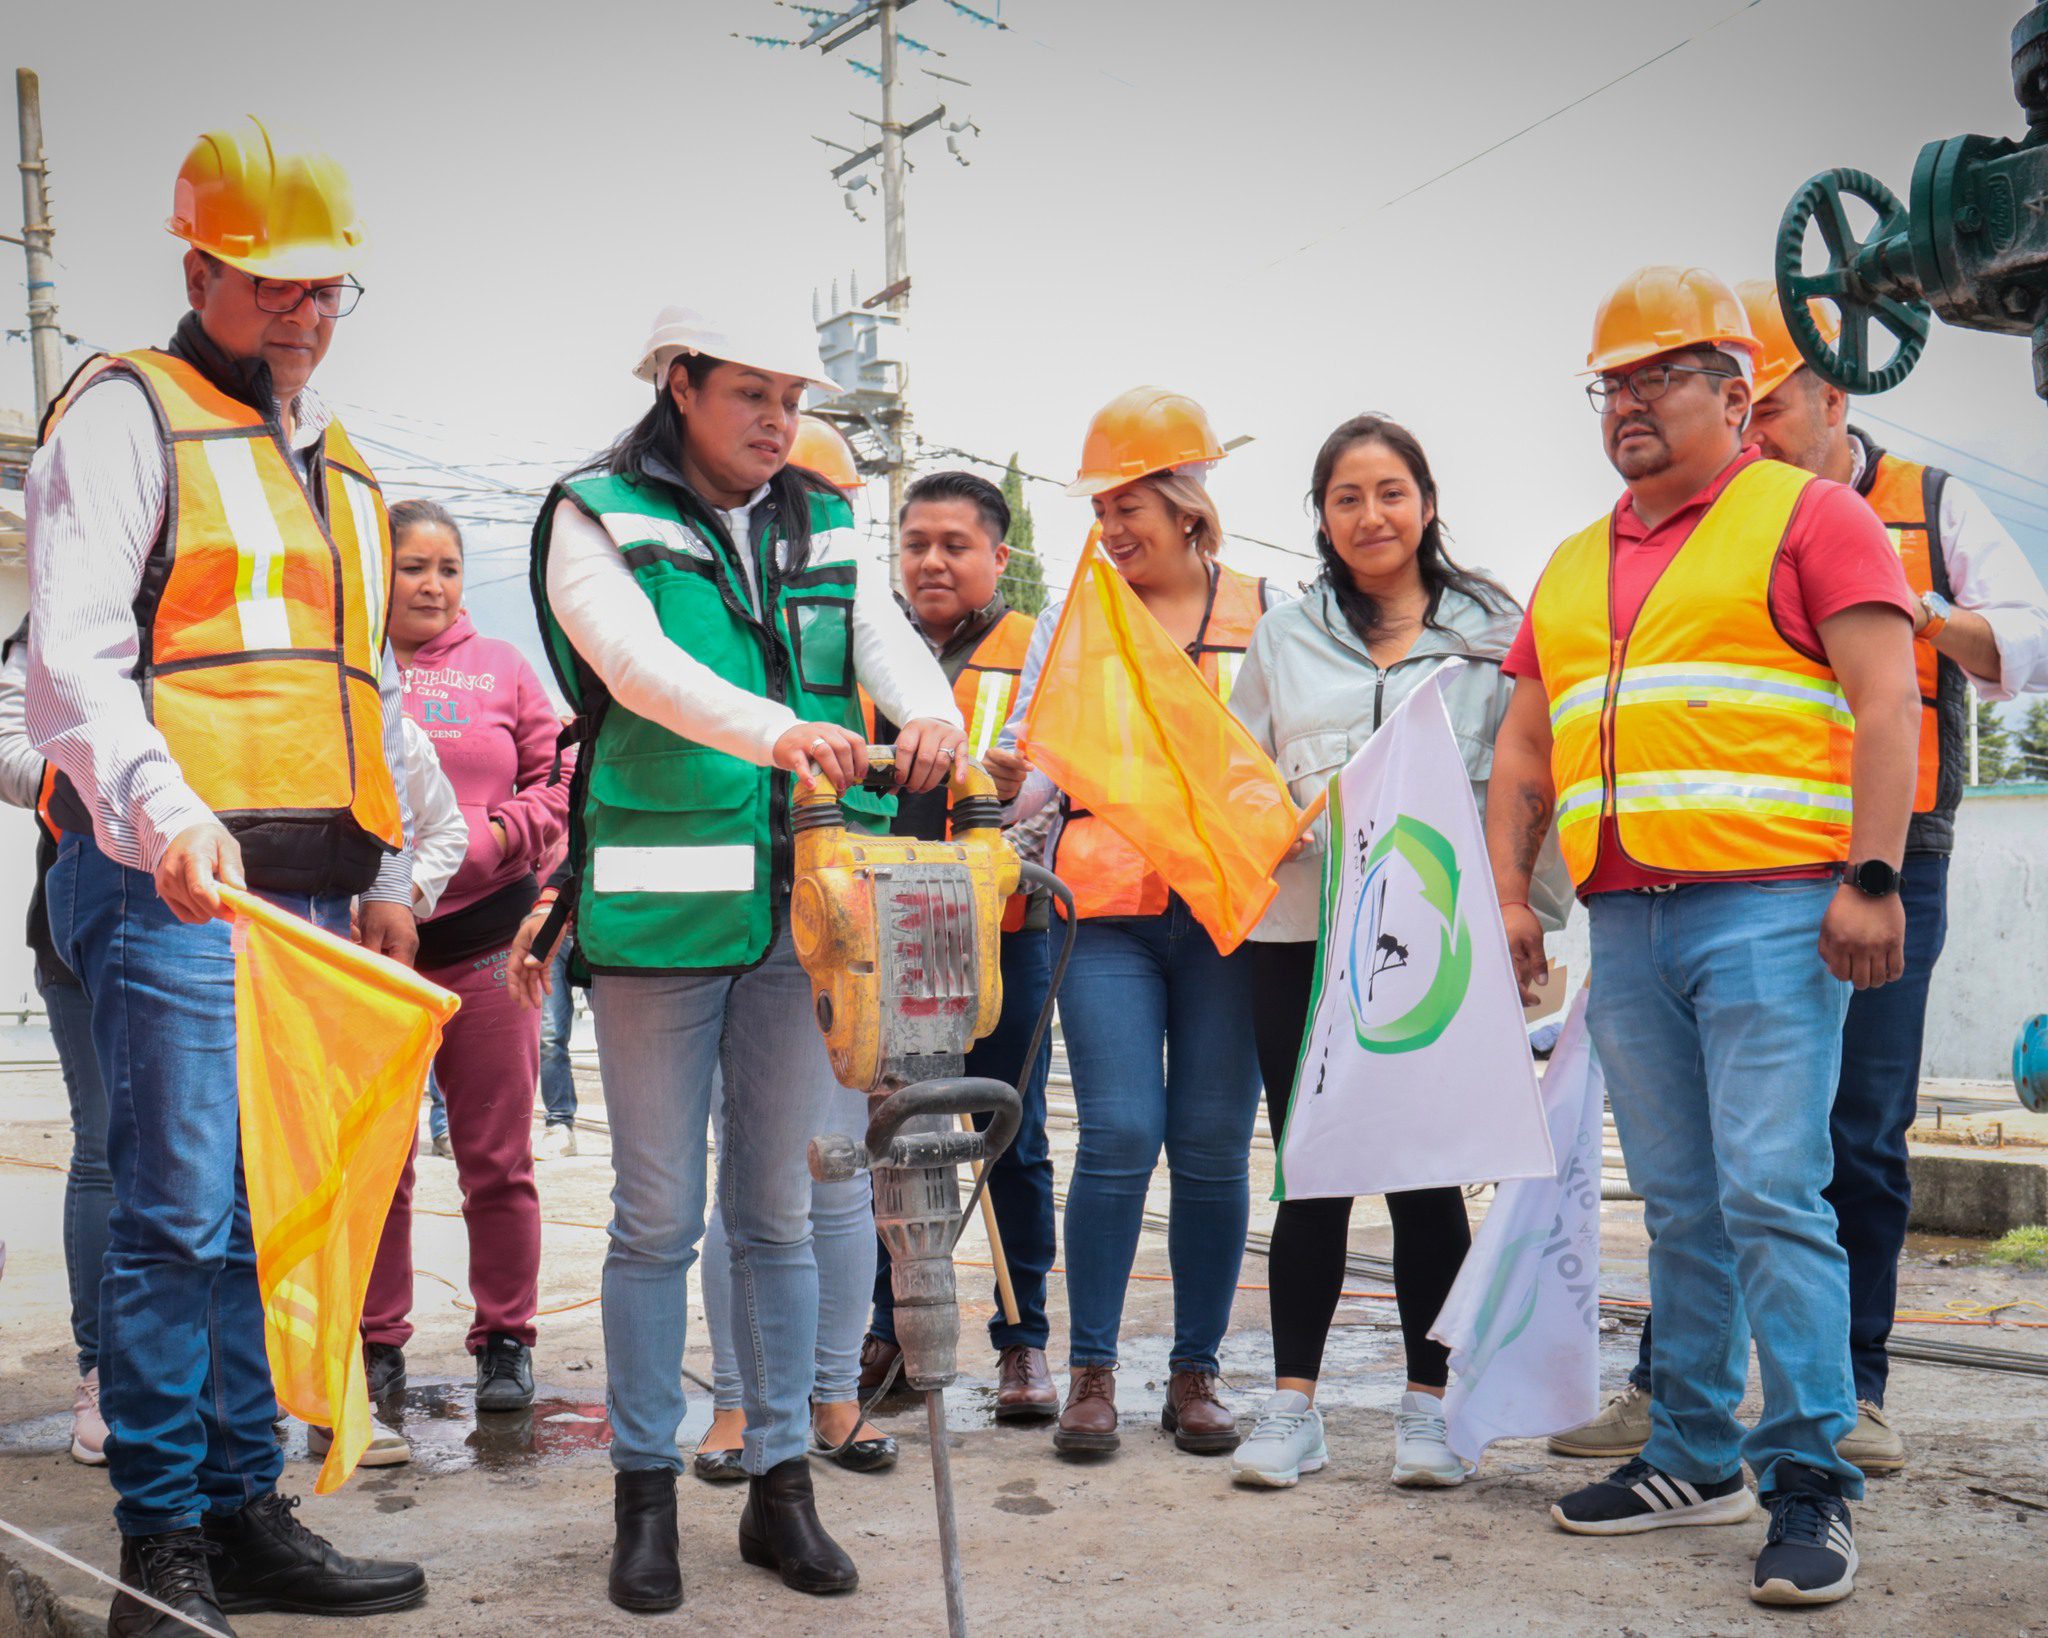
985,690
262,614
1715,746
1898,495
1108,876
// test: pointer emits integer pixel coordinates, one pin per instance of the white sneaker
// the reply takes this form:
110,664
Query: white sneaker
557,1142
387,1448
88,1427
1286,1442
1421,1457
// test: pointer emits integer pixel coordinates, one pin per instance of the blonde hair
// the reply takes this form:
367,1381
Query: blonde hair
1188,498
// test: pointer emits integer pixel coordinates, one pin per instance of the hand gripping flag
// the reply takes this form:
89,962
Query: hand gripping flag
1523,1320
332,1045
1124,723
1415,1069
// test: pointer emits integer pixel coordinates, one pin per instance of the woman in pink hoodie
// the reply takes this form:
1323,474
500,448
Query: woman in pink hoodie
494,730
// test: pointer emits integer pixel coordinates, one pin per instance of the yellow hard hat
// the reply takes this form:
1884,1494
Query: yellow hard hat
1781,358
819,447
1145,430
276,215
1661,309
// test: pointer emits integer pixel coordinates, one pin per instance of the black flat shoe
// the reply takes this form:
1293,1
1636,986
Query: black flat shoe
504,1374
647,1573
862,1456
779,1530
718,1466
384,1368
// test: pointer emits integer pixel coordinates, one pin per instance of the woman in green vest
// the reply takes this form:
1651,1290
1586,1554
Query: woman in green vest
708,619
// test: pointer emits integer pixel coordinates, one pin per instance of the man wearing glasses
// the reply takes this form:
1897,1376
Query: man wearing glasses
1715,701
209,567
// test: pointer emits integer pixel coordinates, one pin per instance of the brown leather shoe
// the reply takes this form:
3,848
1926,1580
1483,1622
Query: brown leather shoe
1024,1390
876,1356
1087,1427
1200,1423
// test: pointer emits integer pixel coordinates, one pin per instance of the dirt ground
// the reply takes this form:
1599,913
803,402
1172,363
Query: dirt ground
512,1519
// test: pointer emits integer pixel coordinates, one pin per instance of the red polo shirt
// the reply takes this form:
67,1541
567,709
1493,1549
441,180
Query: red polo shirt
1836,555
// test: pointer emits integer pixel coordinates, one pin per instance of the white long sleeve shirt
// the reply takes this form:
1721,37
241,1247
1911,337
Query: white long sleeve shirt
95,499
440,833
21,770
1989,575
603,611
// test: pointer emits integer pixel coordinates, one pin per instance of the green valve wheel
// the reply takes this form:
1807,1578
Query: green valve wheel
1870,281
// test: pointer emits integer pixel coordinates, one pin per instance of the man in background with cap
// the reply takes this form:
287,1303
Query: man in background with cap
1715,702
209,566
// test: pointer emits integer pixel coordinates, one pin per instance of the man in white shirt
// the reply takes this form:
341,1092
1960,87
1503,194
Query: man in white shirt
209,567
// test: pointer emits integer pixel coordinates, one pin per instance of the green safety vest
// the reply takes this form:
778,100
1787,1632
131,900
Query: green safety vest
680,855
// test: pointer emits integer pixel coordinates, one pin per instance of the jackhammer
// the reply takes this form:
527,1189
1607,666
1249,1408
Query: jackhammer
901,940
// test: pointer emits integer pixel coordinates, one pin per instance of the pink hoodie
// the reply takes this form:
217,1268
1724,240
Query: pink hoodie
494,730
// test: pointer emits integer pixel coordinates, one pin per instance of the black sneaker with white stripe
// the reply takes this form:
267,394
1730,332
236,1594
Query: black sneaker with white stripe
1809,1554
1637,1496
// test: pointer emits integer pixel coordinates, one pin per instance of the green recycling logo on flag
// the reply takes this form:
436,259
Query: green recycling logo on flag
1415,1069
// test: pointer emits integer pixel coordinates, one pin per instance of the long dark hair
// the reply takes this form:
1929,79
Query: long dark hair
1439,572
655,442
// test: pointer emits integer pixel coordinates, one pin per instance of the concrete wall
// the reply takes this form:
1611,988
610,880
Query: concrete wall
1993,976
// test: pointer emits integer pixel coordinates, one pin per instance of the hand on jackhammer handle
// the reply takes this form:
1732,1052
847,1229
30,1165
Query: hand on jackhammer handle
1007,769
840,755
1525,945
530,978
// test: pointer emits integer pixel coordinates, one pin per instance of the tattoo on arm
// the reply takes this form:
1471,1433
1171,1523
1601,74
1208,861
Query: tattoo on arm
1532,825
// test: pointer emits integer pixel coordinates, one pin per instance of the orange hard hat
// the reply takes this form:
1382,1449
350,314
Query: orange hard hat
1147,429
1661,309
1781,357
819,446
278,215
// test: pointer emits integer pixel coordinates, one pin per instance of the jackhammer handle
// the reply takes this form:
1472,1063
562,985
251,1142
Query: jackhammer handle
970,779
955,1095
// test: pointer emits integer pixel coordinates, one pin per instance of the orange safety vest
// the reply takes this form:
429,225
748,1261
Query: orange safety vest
1108,876
1907,499
262,617
1715,746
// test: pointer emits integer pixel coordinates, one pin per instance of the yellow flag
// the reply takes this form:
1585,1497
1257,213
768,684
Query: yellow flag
332,1045
1125,724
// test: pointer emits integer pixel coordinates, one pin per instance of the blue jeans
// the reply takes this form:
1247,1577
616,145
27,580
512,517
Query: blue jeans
437,1107
88,1185
557,1025
1020,1182
843,1237
184,1381
1720,1033
663,1043
1159,1038
1876,1099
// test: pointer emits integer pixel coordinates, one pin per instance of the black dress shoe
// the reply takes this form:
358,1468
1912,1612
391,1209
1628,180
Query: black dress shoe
647,1575
779,1530
270,1561
504,1374
718,1466
174,1569
862,1456
384,1366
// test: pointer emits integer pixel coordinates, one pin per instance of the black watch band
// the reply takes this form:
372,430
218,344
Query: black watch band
1873,878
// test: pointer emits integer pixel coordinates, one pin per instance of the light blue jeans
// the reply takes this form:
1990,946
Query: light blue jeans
662,1043
1720,1033
843,1237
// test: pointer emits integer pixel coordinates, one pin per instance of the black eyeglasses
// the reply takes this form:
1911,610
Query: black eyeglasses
1646,384
284,295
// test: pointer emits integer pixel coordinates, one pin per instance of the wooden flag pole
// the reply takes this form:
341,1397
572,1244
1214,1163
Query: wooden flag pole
1004,1288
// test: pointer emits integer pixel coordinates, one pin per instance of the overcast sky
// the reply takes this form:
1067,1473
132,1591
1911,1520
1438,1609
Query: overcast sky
1191,194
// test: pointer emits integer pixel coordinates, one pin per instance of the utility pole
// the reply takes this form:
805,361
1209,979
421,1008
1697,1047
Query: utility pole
45,341
896,273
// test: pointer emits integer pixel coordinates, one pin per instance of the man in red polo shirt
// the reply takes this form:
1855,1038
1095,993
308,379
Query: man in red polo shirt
1715,702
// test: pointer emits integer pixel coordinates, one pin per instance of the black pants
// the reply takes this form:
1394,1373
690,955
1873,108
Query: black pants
1310,1237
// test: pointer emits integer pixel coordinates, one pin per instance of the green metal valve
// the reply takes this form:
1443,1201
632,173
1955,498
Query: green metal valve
1971,248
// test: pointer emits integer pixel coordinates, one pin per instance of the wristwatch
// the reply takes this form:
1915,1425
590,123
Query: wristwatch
1873,878
1937,608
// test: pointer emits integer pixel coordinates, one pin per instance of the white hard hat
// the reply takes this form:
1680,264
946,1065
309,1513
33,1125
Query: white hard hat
786,350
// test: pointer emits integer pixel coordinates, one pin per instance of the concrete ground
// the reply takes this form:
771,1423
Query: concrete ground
512,1517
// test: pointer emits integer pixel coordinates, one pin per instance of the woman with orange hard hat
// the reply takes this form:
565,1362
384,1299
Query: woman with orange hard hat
1158,1023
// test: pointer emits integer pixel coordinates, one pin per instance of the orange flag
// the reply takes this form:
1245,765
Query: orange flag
1125,724
332,1045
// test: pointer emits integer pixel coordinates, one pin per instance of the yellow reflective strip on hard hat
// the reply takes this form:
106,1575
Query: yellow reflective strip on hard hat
259,546
1226,674
991,710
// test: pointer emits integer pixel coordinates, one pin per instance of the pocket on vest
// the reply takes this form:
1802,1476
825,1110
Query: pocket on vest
821,637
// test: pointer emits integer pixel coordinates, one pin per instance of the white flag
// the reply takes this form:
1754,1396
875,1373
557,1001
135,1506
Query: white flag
1415,1070
1523,1320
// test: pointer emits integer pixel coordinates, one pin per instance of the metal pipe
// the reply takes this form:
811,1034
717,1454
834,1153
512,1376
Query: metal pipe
949,1523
